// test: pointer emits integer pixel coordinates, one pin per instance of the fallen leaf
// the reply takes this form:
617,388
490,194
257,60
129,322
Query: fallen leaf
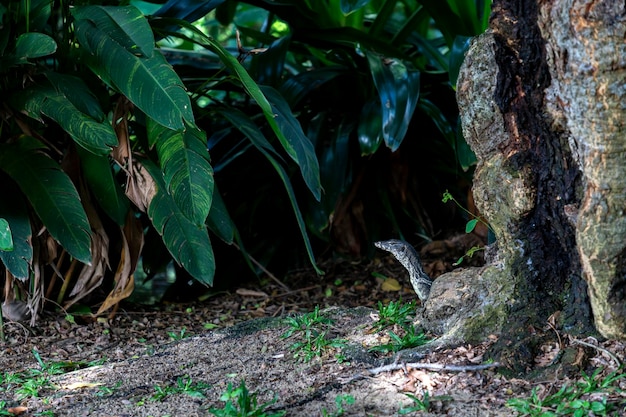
391,284
17,410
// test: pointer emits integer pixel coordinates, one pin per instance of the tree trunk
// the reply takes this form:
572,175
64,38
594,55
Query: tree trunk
541,98
587,56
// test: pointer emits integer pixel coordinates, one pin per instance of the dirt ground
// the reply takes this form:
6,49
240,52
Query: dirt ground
178,359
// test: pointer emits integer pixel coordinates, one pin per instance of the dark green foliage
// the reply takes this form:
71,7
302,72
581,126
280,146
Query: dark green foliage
110,108
99,131
356,75
591,396
239,402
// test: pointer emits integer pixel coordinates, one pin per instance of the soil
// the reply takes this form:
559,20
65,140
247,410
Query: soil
138,362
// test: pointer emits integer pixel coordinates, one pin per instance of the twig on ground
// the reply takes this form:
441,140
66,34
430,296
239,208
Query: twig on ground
558,336
312,287
615,359
432,367
438,367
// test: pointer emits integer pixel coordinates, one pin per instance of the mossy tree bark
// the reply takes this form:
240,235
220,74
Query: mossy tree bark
541,96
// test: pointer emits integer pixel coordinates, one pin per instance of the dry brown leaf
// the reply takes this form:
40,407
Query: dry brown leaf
132,243
133,233
122,153
554,319
91,276
140,186
423,377
19,410
581,356
550,351
36,298
52,248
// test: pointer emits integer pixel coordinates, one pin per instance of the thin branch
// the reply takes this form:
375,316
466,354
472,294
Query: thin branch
265,271
438,367
615,359
300,290
433,367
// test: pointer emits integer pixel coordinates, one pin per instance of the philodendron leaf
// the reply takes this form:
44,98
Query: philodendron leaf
51,194
149,82
15,213
188,244
398,88
6,238
186,168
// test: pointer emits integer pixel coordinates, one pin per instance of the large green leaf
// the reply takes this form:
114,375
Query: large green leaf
457,55
34,14
77,92
370,130
51,193
439,119
382,17
474,13
106,190
398,88
33,45
97,137
6,237
269,65
188,244
219,221
335,168
150,83
186,167
254,134
15,212
464,154
434,59
125,24
188,10
293,140
298,87
348,6
448,22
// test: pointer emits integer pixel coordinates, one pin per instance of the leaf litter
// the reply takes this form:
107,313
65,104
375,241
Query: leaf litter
214,343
